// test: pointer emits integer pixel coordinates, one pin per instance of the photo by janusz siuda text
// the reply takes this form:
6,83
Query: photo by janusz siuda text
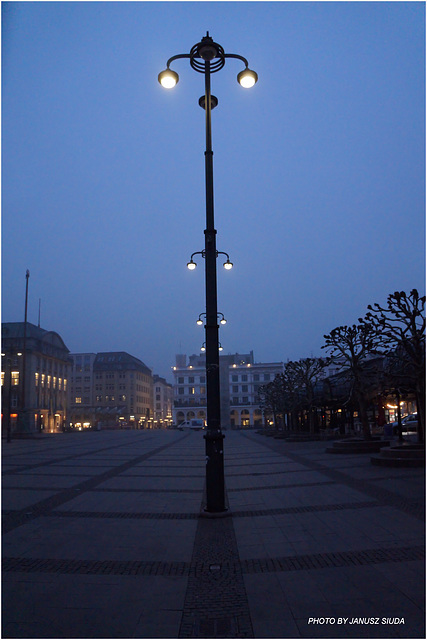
342,621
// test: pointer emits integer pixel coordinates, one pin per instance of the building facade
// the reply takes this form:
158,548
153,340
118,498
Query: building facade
244,382
111,390
240,379
162,402
81,401
34,378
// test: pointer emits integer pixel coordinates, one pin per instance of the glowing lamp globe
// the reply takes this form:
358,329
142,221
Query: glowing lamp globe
168,79
247,78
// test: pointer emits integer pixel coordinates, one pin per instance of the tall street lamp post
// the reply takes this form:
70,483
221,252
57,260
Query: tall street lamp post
208,57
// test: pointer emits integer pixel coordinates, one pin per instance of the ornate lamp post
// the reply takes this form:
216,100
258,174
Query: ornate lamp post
208,57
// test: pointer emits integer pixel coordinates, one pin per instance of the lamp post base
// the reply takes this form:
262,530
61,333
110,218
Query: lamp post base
215,490
213,515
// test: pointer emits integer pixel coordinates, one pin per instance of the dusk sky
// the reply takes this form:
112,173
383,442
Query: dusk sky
319,171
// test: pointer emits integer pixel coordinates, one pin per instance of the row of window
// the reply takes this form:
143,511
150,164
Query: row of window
244,377
111,398
121,376
201,402
119,387
50,381
191,379
256,377
190,391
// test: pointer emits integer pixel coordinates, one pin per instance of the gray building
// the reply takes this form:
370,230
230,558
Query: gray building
34,378
162,402
112,389
240,379
81,386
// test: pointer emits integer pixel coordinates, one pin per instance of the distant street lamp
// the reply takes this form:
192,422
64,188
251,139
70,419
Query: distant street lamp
199,321
208,57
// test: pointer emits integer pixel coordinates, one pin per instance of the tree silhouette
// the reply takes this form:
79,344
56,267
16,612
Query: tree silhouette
350,348
400,334
305,372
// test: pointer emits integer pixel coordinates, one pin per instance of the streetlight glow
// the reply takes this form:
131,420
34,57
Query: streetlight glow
168,79
228,265
247,78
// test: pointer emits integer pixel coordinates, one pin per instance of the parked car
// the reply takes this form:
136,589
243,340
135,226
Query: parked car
193,424
409,424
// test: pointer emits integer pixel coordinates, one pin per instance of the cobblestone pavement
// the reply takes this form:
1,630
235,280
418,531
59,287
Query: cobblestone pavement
102,539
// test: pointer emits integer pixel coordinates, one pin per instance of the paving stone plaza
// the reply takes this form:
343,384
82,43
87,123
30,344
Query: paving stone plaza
102,538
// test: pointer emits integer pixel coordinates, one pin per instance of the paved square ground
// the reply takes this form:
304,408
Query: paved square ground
102,538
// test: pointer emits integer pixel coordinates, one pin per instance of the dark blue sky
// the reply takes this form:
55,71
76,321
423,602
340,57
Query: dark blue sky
319,171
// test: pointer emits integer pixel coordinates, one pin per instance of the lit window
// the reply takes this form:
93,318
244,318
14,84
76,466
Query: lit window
43,379
48,382
65,384
2,378
78,400
15,378
36,376
54,382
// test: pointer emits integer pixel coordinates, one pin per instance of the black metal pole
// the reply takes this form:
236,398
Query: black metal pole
23,420
215,493
8,390
213,57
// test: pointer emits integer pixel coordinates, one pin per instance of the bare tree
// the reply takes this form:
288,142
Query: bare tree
271,399
400,328
350,348
306,372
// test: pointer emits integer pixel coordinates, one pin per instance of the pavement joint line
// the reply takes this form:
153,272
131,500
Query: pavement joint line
384,496
47,463
133,490
295,485
202,566
44,507
196,515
